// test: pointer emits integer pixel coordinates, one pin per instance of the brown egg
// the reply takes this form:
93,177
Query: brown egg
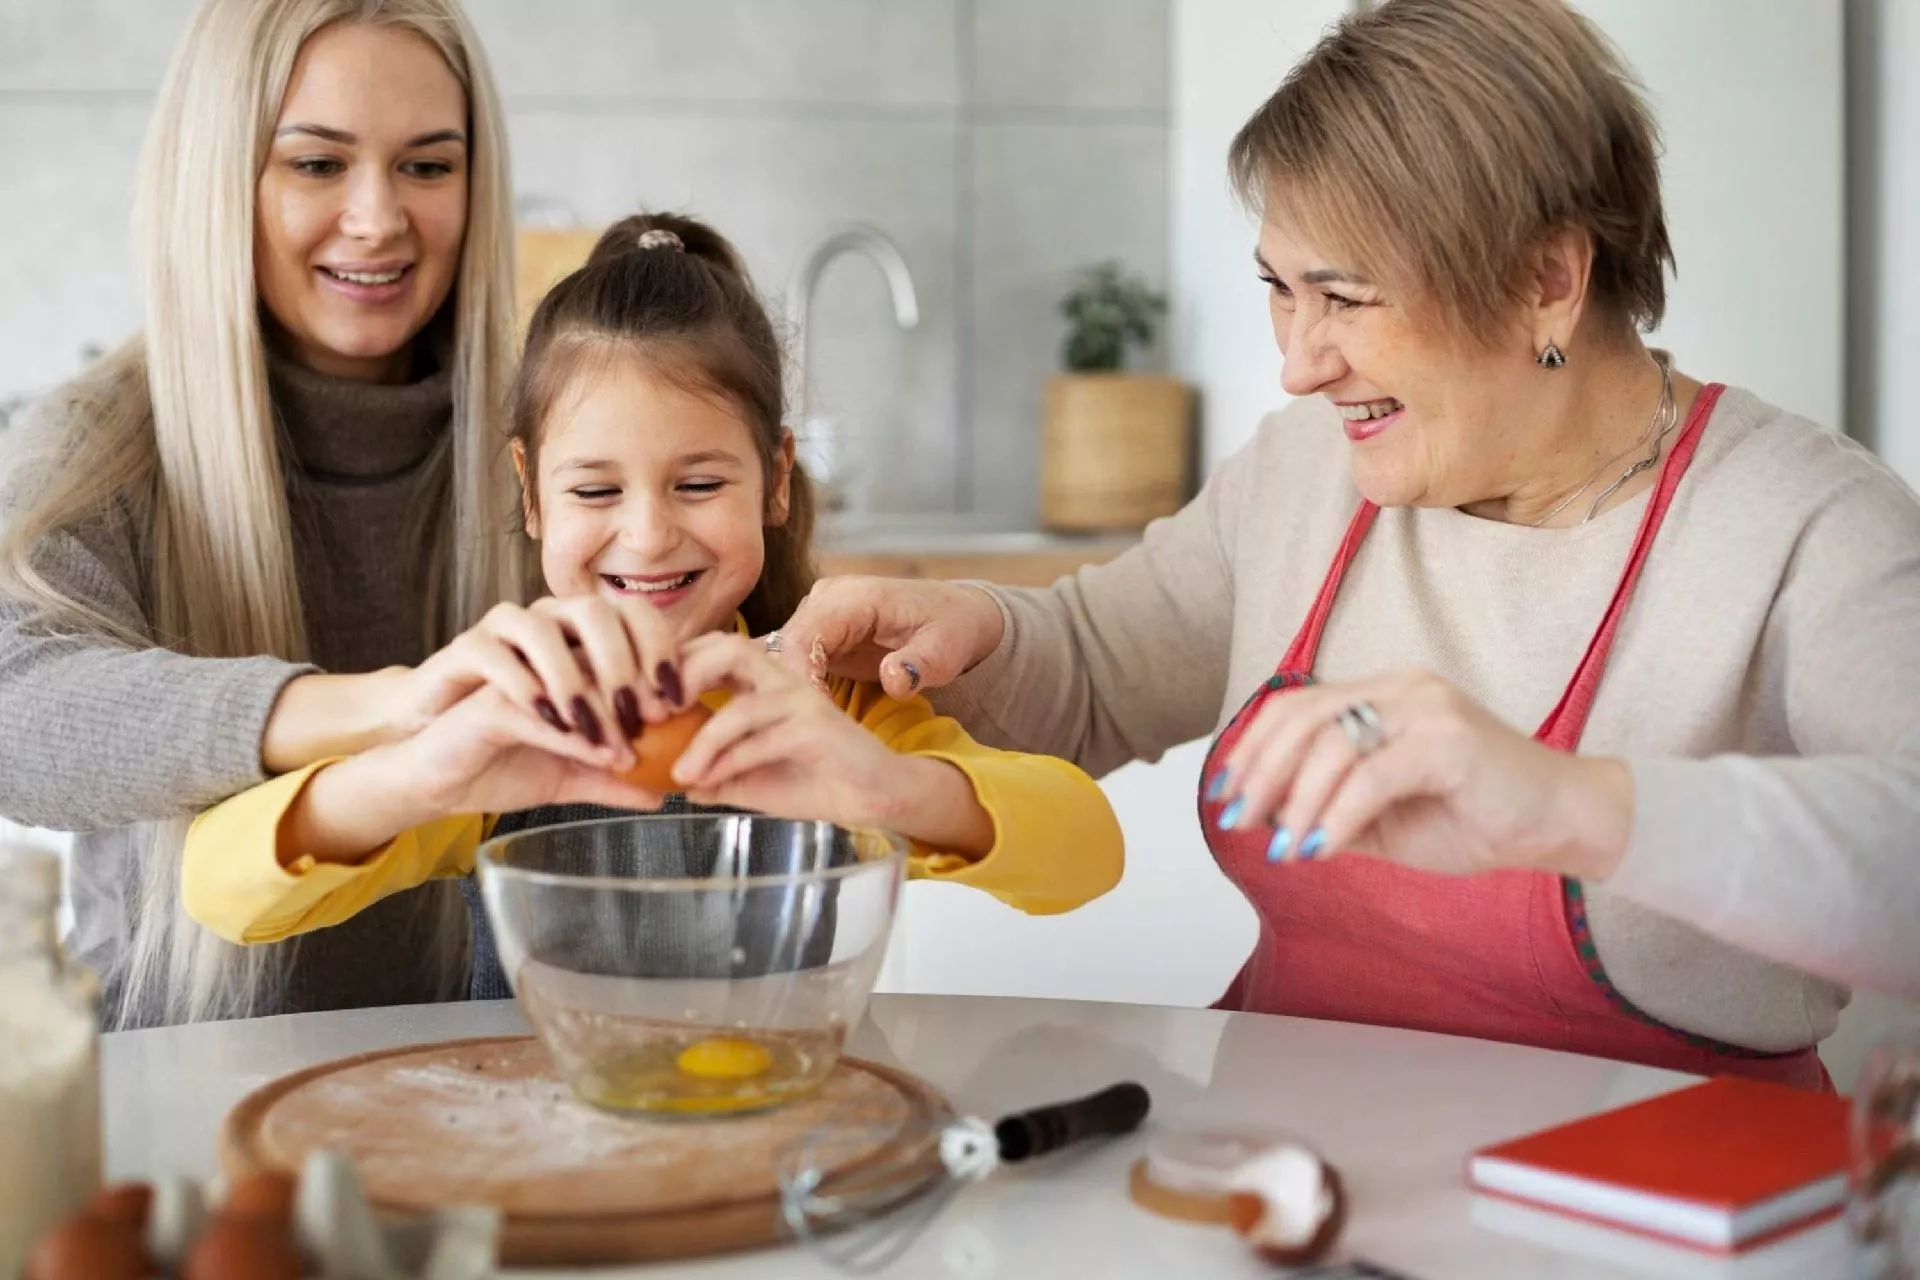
1250,1216
243,1249
88,1248
264,1193
127,1202
659,745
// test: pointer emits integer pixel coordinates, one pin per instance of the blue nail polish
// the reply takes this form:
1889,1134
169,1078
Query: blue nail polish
1232,815
1277,847
1311,845
1218,787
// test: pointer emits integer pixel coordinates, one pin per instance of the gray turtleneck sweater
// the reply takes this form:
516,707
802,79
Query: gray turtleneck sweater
100,738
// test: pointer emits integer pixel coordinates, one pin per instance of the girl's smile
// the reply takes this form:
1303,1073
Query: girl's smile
662,590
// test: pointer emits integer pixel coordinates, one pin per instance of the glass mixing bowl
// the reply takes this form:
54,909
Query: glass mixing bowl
692,964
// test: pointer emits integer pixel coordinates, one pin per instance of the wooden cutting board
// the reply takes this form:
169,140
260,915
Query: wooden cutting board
490,1122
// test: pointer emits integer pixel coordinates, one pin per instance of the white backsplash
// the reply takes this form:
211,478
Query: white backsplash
1000,143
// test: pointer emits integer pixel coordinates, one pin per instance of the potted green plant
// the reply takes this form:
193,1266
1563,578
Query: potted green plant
1106,310
1115,444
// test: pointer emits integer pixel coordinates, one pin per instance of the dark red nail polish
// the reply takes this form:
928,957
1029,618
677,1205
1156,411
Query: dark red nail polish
588,722
669,681
627,708
550,713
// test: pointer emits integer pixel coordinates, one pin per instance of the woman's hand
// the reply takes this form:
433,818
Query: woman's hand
781,747
583,664
1448,788
906,634
485,754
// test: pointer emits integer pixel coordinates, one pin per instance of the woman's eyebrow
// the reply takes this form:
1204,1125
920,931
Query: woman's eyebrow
328,134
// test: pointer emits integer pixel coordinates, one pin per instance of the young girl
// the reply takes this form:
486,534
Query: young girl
672,522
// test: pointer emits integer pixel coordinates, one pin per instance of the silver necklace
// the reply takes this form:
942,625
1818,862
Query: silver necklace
1662,421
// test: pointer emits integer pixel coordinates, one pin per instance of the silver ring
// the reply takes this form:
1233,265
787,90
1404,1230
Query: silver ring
1361,723
772,641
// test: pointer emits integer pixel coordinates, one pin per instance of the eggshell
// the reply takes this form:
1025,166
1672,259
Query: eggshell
175,1219
336,1226
660,745
89,1248
1170,1202
1188,1171
1266,1186
249,1248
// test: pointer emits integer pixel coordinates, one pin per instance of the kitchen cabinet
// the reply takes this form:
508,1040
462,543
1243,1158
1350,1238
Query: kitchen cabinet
1037,564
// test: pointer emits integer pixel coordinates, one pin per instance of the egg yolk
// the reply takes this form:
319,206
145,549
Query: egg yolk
724,1058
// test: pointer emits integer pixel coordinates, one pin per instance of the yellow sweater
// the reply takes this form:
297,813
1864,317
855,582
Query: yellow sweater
1056,842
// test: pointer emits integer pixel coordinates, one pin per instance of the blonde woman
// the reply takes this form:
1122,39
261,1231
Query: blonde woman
298,466
1559,697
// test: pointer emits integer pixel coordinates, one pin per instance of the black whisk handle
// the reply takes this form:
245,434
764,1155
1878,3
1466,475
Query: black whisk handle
1112,1111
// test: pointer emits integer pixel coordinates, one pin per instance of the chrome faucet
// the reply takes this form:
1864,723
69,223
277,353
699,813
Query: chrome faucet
827,461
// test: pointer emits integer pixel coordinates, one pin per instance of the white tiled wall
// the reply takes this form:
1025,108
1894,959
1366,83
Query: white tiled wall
1085,55
1104,196
850,53
92,45
1001,143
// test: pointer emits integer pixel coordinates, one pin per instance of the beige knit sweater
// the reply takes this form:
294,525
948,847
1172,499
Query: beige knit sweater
1764,686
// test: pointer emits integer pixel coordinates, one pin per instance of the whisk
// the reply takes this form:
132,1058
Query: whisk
860,1213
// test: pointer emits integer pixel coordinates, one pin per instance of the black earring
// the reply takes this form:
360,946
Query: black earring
1551,358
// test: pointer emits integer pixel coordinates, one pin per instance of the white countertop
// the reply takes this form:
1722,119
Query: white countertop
1396,1111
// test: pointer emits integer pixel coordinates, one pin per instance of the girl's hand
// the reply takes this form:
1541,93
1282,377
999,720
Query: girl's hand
1449,787
781,747
583,664
485,754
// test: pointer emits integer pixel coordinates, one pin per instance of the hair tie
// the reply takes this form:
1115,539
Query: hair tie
660,238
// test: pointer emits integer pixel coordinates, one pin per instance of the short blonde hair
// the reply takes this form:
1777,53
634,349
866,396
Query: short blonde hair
1438,141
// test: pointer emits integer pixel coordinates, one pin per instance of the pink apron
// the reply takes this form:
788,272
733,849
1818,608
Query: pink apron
1502,956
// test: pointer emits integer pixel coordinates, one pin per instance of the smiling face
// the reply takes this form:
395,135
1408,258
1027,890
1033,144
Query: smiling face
646,489
1431,418
362,204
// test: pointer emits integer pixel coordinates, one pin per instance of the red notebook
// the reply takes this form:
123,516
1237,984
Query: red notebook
1721,1166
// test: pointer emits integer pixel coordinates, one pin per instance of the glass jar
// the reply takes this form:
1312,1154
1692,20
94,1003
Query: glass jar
1883,1203
49,1061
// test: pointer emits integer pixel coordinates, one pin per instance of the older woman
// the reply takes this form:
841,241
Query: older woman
1613,673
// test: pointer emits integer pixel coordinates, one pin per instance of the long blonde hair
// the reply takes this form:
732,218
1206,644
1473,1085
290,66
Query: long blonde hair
175,429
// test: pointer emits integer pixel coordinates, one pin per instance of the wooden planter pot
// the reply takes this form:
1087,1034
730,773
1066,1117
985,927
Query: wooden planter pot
1116,450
